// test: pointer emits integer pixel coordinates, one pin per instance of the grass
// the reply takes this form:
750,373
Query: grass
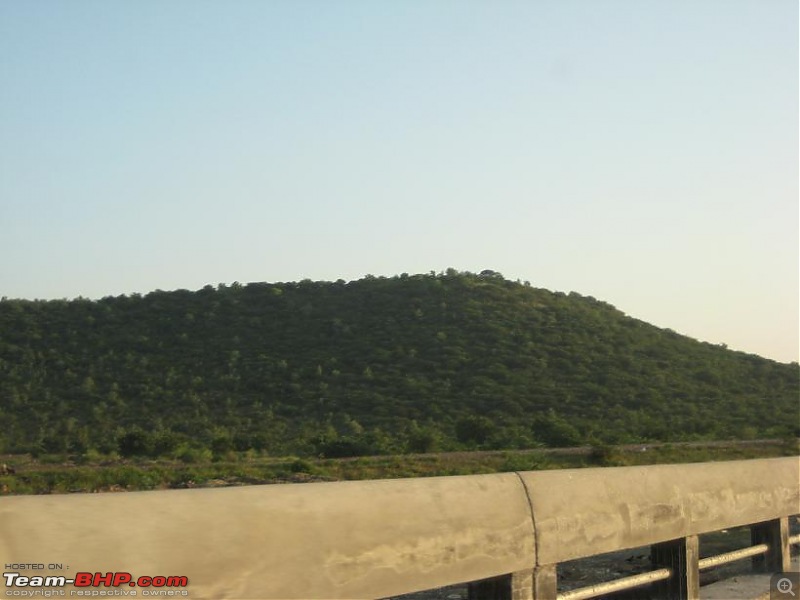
63,474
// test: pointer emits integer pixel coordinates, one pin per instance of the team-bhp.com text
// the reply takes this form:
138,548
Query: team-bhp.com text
84,579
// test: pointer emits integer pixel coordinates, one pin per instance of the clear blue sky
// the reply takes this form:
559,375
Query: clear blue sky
644,152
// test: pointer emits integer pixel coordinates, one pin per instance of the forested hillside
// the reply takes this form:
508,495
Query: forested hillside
409,363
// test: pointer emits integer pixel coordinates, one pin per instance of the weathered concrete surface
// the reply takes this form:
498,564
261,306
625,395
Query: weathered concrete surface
328,540
372,539
582,512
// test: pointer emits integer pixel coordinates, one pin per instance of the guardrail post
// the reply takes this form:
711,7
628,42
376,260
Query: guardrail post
516,586
774,534
545,581
681,556
522,585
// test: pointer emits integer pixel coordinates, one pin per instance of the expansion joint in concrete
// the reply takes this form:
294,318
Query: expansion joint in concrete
533,516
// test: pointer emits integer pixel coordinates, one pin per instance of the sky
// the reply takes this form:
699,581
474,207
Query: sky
644,152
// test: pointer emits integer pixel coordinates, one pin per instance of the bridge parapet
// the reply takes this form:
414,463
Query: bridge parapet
373,539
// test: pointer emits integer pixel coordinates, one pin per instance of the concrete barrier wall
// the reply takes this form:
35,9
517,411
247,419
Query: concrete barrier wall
582,512
323,540
371,539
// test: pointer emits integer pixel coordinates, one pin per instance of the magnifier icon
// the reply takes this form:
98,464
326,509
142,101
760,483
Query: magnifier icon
785,586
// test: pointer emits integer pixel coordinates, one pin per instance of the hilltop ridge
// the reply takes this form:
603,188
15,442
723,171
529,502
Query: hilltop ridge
429,362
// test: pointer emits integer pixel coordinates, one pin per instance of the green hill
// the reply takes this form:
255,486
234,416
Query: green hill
409,363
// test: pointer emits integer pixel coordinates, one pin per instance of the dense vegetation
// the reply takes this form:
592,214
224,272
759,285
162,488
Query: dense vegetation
413,363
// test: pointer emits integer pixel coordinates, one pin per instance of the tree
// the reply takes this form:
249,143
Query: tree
421,440
556,431
474,430
134,442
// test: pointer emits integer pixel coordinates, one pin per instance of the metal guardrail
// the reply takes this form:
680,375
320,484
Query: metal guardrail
618,585
651,577
729,557
648,578
505,533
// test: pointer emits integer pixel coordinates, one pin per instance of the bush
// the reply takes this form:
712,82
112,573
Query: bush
187,454
301,466
606,456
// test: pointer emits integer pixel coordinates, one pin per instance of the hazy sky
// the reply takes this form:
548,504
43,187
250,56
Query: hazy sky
642,152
